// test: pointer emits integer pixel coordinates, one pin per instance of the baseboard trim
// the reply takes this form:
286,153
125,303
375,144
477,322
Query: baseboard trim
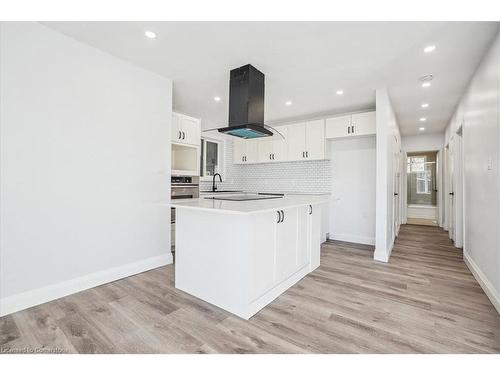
352,238
48,293
486,285
383,255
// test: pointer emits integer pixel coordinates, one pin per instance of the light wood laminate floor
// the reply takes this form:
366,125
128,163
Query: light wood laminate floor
424,301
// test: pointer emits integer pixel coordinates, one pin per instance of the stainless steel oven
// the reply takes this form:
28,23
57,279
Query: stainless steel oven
182,187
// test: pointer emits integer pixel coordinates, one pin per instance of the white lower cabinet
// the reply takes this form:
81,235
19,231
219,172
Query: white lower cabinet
286,243
288,240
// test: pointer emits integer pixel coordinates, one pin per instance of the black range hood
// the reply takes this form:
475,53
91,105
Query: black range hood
246,104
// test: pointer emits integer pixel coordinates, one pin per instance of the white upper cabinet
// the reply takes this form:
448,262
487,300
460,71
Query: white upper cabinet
245,151
296,141
280,147
364,123
264,150
306,141
338,127
315,140
185,129
357,124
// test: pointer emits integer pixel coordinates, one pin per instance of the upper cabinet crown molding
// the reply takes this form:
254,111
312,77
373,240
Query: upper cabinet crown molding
352,125
186,129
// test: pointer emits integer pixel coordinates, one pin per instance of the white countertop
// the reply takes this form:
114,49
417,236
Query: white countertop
249,207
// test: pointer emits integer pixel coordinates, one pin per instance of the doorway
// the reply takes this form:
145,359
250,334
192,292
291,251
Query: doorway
422,197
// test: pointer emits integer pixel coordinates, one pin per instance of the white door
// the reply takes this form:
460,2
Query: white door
280,149
190,128
239,151
265,150
338,127
396,181
451,192
176,129
315,140
458,189
297,142
314,236
363,123
286,244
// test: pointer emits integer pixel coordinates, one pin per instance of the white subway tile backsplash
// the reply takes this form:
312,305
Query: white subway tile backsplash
286,177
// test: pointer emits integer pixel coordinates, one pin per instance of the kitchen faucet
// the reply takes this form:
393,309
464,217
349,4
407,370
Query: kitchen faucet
213,181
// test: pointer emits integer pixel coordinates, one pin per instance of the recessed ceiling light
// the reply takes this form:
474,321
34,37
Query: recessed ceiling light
430,48
340,92
288,102
150,34
421,129
423,119
425,105
217,98
426,84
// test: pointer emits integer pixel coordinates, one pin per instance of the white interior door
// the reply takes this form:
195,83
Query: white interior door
451,192
396,183
458,190
404,187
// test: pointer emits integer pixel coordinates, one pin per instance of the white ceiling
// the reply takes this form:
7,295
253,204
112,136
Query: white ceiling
305,62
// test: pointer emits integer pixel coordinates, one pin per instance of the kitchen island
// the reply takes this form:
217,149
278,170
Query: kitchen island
241,255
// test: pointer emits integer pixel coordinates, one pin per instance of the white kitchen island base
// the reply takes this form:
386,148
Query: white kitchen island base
241,260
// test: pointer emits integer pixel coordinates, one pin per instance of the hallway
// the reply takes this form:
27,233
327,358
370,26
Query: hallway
424,301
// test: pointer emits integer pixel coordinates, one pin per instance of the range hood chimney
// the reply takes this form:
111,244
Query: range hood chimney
246,104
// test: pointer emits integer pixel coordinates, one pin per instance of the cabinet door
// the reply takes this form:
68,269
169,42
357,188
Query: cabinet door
286,245
303,236
265,150
176,130
296,141
252,150
364,123
314,236
191,132
239,151
338,127
315,140
280,146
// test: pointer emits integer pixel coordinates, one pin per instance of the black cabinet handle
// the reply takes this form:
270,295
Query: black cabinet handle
183,135
310,209
282,216
396,193
242,158
348,130
452,193
270,158
179,137
303,154
273,156
353,129
279,216
307,154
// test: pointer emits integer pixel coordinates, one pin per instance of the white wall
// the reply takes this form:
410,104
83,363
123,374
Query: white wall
422,142
84,167
387,179
352,208
479,114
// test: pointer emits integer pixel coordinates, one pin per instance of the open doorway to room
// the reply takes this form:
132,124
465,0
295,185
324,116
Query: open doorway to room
422,198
